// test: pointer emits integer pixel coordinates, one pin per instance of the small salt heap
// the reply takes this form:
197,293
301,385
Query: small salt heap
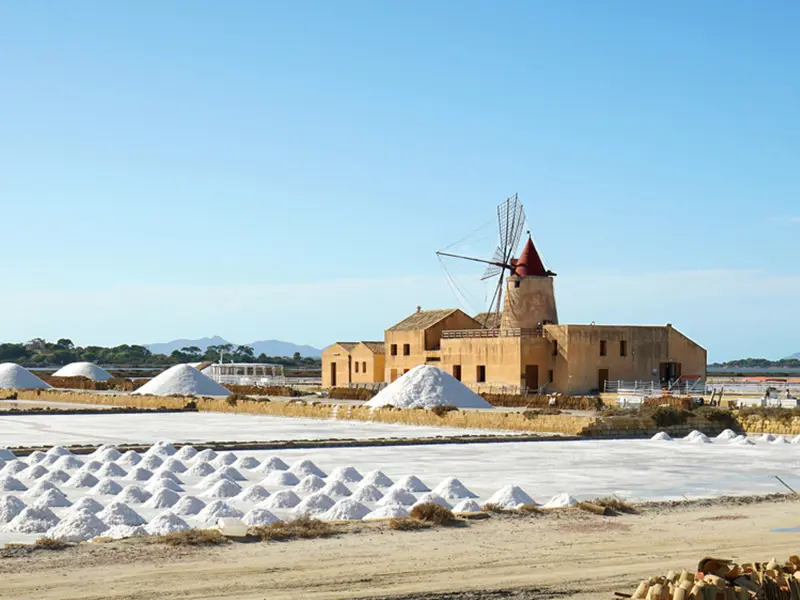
118,532
315,504
411,483
78,527
33,520
139,474
10,507
223,489
86,504
273,463
35,457
111,469
206,455
780,440
397,496
163,448
91,467
223,460
183,380
200,469
303,468
253,494
452,489
378,479
367,493
258,517
58,451
68,463
166,522
119,513
41,488
426,386
83,369
151,462
210,481
336,489
283,478
218,509
14,467
467,506
561,501
107,454
510,497
14,377
56,477
432,497
133,494
246,462
52,499
743,441
767,437
82,480
282,499
346,474
390,511
662,436
796,439
726,435
231,473
186,453
309,484
163,498
11,484
346,509
35,472
188,505
173,465
697,437
163,484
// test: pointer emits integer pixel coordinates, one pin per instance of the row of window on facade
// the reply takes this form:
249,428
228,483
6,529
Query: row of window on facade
406,349
363,366
623,348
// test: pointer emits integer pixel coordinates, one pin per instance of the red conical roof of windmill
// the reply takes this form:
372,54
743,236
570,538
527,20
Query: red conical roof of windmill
529,264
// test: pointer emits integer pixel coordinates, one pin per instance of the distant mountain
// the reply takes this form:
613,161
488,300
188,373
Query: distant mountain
794,355
268,347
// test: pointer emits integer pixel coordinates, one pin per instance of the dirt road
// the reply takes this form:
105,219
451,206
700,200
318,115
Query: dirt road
565,554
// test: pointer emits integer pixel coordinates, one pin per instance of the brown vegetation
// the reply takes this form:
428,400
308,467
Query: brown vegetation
266,390
340,393
192,537
544,401
407,524
299,528
615,504
441,411
430,512
48,543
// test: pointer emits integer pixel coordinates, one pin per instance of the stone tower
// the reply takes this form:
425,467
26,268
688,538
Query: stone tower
530,299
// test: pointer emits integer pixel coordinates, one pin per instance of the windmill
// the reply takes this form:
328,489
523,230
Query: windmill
511,223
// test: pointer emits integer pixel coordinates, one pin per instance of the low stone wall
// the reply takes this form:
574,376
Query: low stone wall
755,424
641,427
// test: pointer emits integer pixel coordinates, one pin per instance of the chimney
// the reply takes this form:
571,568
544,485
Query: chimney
419,308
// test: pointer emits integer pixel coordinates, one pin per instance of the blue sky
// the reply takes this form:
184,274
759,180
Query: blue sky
288,169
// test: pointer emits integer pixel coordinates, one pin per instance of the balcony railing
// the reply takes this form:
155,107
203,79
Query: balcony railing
492,333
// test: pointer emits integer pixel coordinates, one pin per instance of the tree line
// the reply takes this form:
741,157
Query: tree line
41,353
760,363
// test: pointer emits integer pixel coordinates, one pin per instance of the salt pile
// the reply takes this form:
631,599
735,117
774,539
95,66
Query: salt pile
33,520
412,483
166,522
432,497
79,527
727,435
246,462
2,464
743,441
217,509
302,468
273,463
346,510
14,377
452,489
336,489
257,517
82,480
83,369
309,484
367,493
10,507
173,465
282,499
377,478
390,511
102,448
200,469
224,459
206,455
662,436
315,504
139,474
52,499
426,386
119,513
163,448
232,474
561,501
280,478
183,380
48,460
14,467
56,477
186,453
58,451
106,487
253,495
212,480
40,489
163,484
35,457
737,438
123,531
107,455
699,439
467,506
151,461
188,505
68,463
767,437
398,496
86,504
223,489
796,439
133,494
11,484
111,469
162,474
510,496
780,440
345,474
35,472
91,467
6,454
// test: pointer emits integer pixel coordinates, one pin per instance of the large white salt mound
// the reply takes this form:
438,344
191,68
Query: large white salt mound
451,488
346,474
346,509
397,496
282,499
315,504
183,380
281,478
223,489
367,493
86,504
253,495
224,459
83,369
377,478
33,520
662,436
426,386
211,480
273,463
11,484
246,462
52,499
119,513
390,511
14,377
256,517
510,496
68,463
302,468
78,527
767,437
82,480
560,501
166,522
133,494
432,497
188,505
56,477
10,507
728,434
336,489
186,453
411,483
217,509
467,506
309,484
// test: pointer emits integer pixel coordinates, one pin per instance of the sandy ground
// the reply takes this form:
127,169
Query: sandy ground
563,554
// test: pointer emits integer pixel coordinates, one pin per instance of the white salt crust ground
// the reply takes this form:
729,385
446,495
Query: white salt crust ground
638,470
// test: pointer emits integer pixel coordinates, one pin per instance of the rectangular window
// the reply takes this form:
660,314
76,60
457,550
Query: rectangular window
364,366
555,347
457,372
516,284
481,374
623,348
550,376
603,348
356,366
406,349
405,371
393,350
